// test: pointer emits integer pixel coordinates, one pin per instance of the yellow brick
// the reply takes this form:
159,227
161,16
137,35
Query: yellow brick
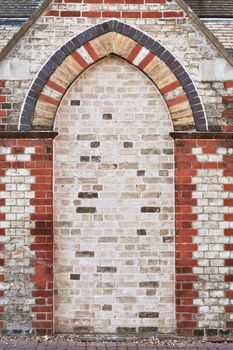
155,63
179,107
123,45
103,45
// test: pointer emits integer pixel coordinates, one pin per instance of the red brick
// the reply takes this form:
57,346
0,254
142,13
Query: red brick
229,324
155,1
170,87
131,14
42,324
227,128
228,113
228,84
228,278
134,1
49,99
176,100
186,247
228,217
228,232
109,14
188,262
91,52
2,98
146,61
91,14
2,113
55,86
227,99
70,13
133,54
79,59
151,14
167,14
114,1
229,294
229,262
228,247
2,83
52,13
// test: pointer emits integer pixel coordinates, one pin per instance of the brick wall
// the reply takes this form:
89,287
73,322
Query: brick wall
174,30
113,205
26,235
204,235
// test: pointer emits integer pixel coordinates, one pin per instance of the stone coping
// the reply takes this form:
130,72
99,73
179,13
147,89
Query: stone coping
28,134
201,135
53,134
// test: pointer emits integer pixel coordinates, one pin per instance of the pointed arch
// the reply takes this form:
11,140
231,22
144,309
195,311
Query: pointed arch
113,37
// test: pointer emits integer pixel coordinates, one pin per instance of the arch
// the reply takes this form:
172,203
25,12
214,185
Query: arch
113,37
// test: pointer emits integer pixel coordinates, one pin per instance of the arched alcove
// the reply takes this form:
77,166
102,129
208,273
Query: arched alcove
113,205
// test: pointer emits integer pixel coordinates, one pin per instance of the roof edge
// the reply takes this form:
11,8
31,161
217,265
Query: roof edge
212,38
18,35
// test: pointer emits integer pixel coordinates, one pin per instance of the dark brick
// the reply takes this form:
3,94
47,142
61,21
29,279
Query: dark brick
150,292
141,173
86,210
107,307
143,39
128,144
149,284
168,239
6,105
148,329
108,239
84,159
141,232
110,269
150,209
145,314
75,276
95,144
223,332
147,151
168,151
75,102
87,254
88,195
83,330
107,116
126,330
211,331
96,159
199,332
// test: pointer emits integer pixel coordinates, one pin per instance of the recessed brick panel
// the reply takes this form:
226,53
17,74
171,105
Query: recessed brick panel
118,249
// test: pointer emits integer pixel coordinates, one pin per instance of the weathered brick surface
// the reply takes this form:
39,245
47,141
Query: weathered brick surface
26,233
203,231
7,32
101,256
177,34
